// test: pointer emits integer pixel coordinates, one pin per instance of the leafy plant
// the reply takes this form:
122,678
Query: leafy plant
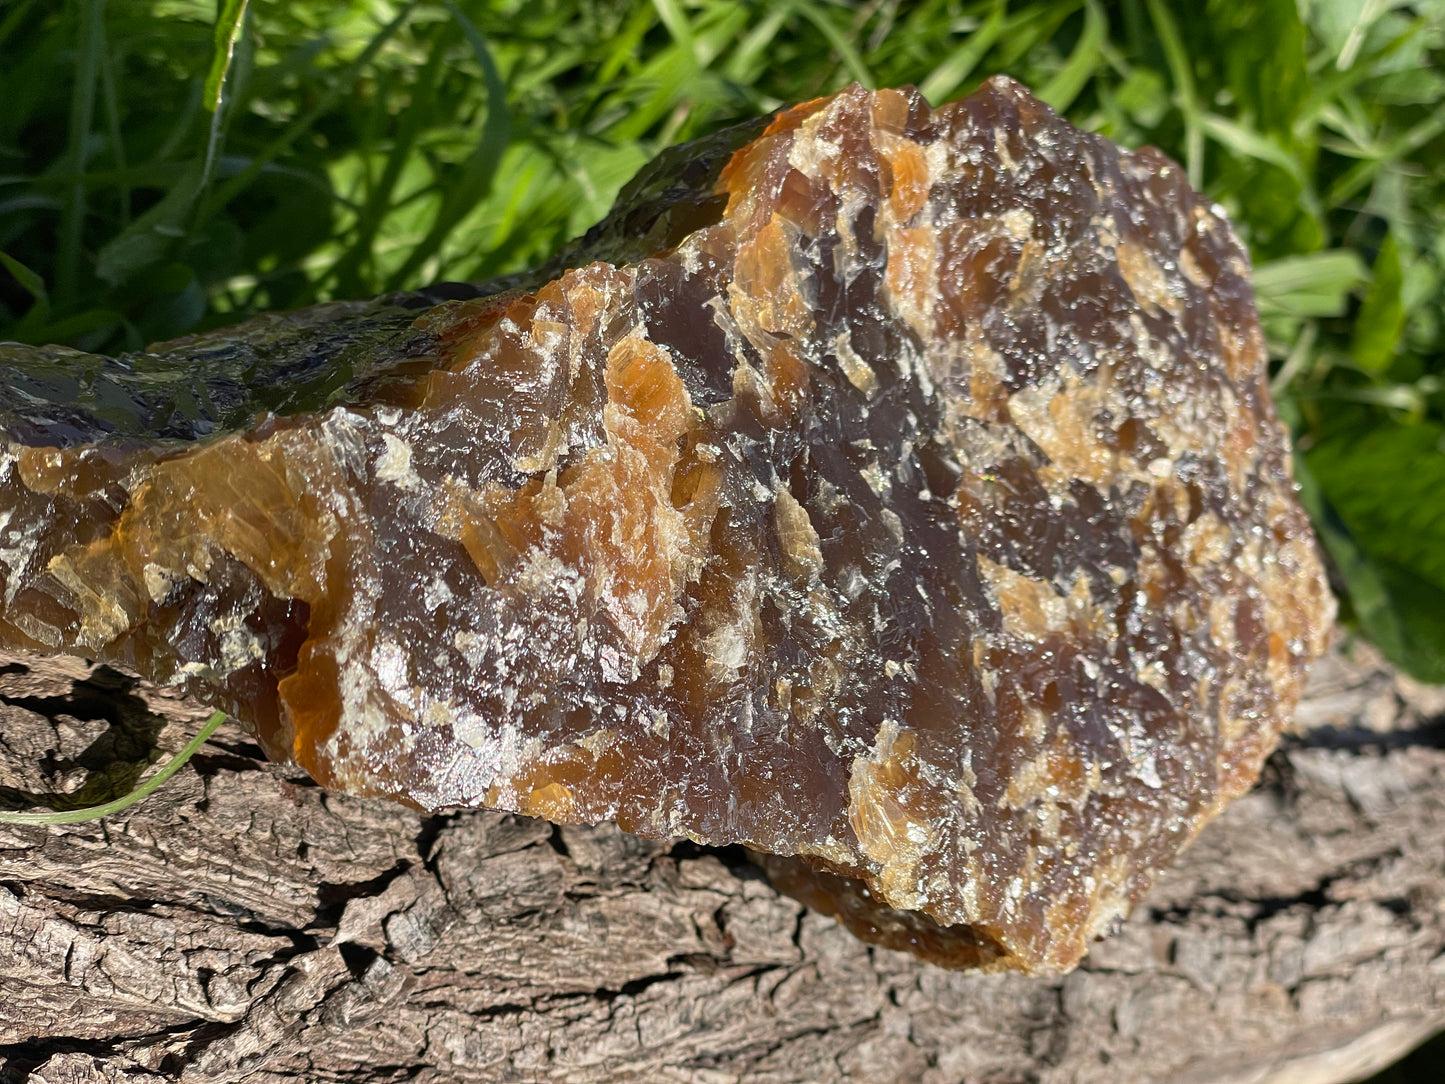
171,165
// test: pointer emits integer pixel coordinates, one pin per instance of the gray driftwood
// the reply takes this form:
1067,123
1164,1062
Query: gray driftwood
245,925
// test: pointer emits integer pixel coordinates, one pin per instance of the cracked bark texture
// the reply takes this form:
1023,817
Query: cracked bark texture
244,924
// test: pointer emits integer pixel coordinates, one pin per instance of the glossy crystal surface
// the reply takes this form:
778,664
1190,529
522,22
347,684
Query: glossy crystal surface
904,501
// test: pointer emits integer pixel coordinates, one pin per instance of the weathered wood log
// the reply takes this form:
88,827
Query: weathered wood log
244,924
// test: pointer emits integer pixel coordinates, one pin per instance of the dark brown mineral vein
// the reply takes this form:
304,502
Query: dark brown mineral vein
918,509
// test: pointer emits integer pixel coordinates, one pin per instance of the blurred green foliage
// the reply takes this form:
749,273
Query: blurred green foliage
171,165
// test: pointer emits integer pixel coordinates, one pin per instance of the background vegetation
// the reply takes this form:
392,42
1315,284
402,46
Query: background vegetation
165,167
376,145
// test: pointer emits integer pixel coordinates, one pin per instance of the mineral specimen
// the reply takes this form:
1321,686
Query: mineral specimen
906,498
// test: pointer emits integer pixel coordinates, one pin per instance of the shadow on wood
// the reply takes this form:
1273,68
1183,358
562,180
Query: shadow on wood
243,924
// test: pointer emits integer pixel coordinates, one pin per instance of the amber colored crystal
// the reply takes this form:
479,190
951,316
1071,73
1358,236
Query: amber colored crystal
905,500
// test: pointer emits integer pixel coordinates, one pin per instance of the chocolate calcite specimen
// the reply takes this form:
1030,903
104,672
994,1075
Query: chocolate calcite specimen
904,501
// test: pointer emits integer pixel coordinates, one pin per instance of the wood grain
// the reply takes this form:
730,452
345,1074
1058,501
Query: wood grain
244,924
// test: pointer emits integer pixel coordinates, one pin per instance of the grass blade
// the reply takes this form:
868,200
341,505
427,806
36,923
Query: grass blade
151,237
949,76
1186,95
302,124
748,58
346,272
82,112
1363,172
113,130
95,812
1246,141
1060,91
677,25
1382,316
229,22
1318,284
32,283
850,56
480,168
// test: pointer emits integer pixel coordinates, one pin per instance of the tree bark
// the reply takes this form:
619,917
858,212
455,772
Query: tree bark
243,924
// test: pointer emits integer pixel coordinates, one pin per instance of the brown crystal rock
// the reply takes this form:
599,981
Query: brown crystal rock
908,500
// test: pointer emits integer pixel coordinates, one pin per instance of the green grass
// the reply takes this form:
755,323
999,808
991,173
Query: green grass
171,165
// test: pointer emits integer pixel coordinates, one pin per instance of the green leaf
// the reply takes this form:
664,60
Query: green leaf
949,76
1261,46
837,39
1060,91
1417,622
1244,140
474,181
343,82
1404,145
1368,596
228,31
1335,21
1144,96
33,284
151,237
82,110
1382,316
677,25
1315,285
66,329
1186,95
1387,487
